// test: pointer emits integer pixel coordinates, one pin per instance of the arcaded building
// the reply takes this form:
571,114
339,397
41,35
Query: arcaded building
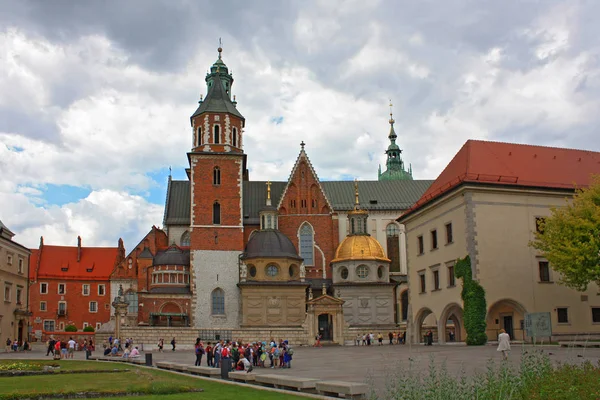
486,204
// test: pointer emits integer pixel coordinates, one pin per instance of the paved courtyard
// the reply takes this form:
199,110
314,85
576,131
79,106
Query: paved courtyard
356,363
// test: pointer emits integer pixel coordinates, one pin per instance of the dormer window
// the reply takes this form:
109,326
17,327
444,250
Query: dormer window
216,134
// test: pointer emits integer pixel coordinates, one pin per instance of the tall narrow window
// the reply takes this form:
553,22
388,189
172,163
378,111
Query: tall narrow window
234,137
218,302
216,213
306,244
544,271
217,134
393,246
434,243
185,239
449,238
420,245
199,137
216,176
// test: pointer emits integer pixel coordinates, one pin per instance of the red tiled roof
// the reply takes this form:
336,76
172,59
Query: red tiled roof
515,165
96,263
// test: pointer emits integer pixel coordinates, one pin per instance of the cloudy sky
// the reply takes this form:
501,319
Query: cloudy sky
95,96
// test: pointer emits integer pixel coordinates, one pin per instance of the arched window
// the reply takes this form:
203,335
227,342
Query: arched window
306,244
234,141
132,298
216,176
218,302
216,134
199,137
216,213
392,230
185,239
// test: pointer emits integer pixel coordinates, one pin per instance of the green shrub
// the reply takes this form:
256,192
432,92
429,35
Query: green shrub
70,328
475,308
88,329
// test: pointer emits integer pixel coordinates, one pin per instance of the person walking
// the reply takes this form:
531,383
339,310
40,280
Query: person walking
391,337
209,355
199,350
504,343
161,344
51,343
173,344
71,348
318,340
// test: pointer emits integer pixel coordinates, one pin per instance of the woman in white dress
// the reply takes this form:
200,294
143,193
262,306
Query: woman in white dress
504,343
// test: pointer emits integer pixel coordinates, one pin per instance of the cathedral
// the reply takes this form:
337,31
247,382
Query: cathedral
302,255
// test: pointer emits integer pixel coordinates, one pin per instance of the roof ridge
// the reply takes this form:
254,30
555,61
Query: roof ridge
532,145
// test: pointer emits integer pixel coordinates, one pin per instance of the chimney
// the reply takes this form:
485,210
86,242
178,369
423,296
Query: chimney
78,248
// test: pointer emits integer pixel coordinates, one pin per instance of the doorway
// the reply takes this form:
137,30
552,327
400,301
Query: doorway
326,326
508,325
20,332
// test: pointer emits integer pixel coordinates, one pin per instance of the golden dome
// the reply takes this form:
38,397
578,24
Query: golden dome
359,247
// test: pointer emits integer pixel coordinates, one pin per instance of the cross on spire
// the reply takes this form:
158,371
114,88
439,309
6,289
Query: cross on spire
268,190
220,49
391,113
302,144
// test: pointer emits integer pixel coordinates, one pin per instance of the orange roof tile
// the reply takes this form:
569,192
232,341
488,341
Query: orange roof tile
514,165
96,263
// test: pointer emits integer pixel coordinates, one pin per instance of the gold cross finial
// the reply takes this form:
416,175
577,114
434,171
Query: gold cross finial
391,113
220,49
268,190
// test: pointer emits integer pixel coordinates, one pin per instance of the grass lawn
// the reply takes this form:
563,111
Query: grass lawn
161,385
71,365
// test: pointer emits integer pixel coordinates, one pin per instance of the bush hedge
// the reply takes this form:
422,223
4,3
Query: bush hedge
88,329
70,328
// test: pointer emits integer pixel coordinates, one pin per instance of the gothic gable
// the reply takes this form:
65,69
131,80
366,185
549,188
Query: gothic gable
303,193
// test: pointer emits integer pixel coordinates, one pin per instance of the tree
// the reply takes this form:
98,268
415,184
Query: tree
570,238
474,304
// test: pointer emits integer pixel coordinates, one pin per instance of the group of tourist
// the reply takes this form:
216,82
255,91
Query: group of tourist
115,348
66,348
245,357
369,338
17,345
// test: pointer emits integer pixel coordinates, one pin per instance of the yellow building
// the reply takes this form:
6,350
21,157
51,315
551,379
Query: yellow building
486,204
14,272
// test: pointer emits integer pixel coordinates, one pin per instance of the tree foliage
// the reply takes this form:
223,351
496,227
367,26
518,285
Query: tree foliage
88,328
475,307
70,328
570,238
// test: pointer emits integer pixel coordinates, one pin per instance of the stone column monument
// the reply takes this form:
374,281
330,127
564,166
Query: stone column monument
120,305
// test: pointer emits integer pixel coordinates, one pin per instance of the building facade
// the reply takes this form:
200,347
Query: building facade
14,268
217,215
486,204
69,285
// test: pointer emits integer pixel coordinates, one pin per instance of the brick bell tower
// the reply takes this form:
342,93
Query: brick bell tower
217,171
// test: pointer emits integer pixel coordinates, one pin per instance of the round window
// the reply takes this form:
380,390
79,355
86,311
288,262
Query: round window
380,272
252,271
362,271
292,270
272,270
344,273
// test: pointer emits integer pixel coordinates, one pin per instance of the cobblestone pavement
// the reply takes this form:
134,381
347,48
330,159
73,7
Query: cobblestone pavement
356,363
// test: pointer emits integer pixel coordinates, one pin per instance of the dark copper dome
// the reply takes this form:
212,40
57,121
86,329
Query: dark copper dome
270,243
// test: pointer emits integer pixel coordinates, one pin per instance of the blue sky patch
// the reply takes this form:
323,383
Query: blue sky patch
63,194
277,120
16,149
157,194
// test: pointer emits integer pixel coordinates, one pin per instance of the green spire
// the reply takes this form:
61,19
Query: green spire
218,85
394,164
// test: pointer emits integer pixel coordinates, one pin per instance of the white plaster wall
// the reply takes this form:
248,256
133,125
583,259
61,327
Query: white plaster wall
175,232
216,269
